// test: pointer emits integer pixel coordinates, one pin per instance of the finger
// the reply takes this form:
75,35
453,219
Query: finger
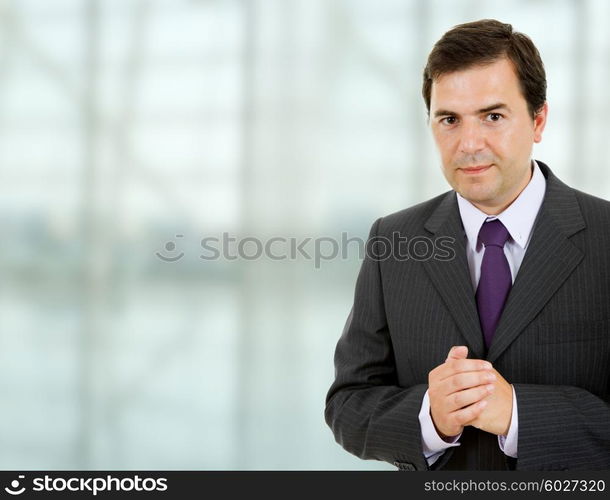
457,352
455,366
462,381
462,399
466,415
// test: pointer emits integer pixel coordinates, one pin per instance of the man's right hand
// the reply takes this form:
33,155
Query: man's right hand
457,389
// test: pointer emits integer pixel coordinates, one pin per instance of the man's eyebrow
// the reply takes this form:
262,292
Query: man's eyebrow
443,112
498,105
487,109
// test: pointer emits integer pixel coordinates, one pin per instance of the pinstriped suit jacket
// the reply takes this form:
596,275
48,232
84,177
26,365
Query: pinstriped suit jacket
552,342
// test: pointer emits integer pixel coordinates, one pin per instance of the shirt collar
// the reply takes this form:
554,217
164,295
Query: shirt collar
518,217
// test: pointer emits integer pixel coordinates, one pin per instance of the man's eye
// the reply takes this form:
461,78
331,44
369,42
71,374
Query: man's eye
449,120
494,117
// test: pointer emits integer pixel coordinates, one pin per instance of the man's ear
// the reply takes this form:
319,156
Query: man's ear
540,122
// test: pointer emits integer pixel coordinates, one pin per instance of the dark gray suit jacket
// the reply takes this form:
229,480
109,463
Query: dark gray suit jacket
552,342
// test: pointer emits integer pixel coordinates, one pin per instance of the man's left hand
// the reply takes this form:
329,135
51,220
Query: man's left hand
495,418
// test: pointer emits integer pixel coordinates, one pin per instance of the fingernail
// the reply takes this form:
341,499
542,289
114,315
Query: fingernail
482,404
490,387
491,377
487,365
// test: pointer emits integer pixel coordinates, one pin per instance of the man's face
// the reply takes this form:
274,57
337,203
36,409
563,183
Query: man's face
484,133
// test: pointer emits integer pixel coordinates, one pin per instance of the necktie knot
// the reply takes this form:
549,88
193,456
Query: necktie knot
493,233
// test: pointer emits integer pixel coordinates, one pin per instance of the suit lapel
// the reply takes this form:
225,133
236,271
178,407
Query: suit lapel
549,260
451,277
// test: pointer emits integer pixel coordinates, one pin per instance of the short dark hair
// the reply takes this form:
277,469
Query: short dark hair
484,42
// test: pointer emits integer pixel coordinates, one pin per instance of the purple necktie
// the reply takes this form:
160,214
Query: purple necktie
495,280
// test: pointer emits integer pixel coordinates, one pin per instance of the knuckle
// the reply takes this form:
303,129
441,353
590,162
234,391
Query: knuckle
462,380
460,418
473,411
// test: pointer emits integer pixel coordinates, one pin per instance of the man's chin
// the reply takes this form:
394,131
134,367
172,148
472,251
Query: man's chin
477,196
475,192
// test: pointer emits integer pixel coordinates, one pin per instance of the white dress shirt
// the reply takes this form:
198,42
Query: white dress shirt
518,218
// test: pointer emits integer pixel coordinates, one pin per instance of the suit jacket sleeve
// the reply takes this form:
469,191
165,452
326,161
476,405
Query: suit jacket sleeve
562,427
369,414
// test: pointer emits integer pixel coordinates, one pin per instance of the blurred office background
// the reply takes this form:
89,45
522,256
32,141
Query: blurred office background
132,129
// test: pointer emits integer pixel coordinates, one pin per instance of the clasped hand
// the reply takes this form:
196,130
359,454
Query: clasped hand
468,392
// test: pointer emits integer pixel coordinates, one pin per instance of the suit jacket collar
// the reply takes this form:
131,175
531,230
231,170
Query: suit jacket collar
550,259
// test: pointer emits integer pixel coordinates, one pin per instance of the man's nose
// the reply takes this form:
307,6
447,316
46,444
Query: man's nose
472,137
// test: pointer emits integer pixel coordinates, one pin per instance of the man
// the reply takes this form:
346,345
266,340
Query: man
498,357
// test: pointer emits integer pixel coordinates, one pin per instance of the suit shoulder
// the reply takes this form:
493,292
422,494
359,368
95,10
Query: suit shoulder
595,211
590,204
412,217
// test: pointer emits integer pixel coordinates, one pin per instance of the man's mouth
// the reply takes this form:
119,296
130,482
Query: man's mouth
475,169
